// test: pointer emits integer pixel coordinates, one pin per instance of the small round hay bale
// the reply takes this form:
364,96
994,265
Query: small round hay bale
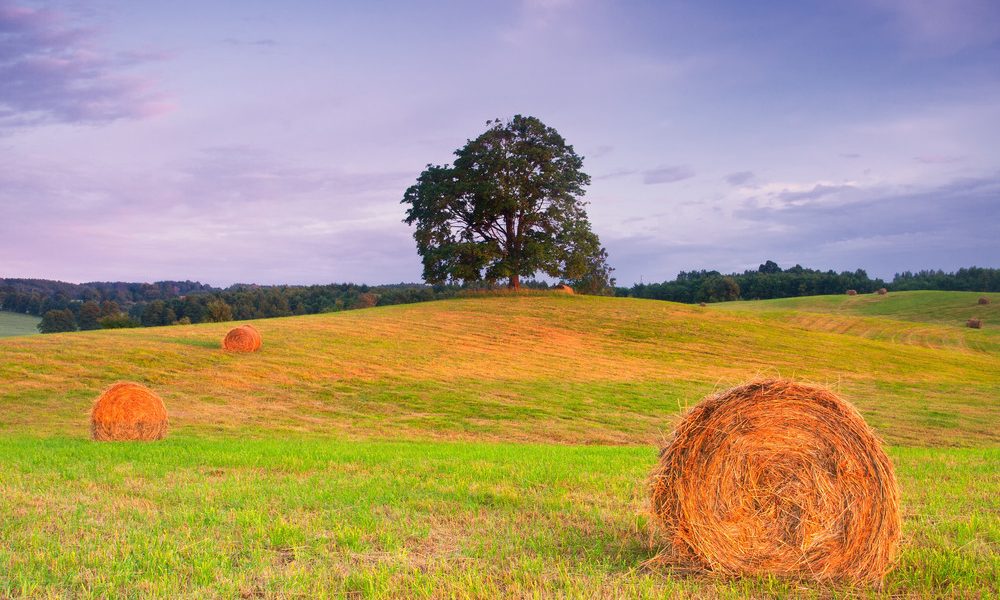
562,287
882,291
128,411
777,478
852,292
244,338
984,300
974,323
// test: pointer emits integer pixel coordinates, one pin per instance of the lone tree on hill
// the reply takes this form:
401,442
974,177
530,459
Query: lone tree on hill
508,208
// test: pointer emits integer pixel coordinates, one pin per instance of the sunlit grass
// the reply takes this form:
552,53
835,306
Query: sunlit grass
492,446
192,516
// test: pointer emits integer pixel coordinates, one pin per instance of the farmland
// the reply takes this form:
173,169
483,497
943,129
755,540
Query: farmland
478,446
12,324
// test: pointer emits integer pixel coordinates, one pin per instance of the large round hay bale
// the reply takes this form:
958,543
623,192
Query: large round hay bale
882,291
984,300
852,292
128,411
974,323
244,338
562,287
779,478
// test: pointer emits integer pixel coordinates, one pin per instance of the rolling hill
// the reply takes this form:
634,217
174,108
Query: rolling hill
478,446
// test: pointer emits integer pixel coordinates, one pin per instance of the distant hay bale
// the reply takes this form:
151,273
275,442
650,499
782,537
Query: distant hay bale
882,291
562,287
128,411
777,478
244,338
852,292
702,304
974,323
984,300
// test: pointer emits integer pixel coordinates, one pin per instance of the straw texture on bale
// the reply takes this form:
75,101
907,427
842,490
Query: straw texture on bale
562,287
775,477
984,300
974,323
852,292
244,338
882,291
126,412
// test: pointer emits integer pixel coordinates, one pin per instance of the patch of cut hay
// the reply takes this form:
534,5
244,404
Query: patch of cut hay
244,338
702,304
984,300
775,477
562,287
974,323
852,292
128,411
882,291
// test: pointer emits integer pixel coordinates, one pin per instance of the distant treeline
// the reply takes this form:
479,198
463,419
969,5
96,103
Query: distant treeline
771,281
69,307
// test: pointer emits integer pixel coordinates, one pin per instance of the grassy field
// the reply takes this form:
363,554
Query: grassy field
474,447
12,324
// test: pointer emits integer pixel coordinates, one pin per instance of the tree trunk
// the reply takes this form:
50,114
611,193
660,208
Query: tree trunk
515,282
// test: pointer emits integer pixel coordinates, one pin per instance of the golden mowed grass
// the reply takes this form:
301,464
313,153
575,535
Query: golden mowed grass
549,367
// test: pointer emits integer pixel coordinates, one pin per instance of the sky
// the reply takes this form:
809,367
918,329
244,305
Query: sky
272,142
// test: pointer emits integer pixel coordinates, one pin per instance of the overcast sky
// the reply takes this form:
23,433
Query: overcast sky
271,142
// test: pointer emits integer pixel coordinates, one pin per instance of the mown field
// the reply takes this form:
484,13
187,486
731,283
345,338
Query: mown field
473,447
12,324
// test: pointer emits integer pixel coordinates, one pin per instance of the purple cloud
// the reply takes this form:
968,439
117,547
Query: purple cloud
938,159
54,72
668,174
739,178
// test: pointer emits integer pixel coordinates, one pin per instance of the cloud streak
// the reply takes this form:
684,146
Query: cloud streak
54,72
667,174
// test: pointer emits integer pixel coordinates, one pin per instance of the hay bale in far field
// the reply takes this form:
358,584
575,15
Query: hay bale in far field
974,323
128,411
852,292
984,300
702,304
882,291
244,338
777,478
562,287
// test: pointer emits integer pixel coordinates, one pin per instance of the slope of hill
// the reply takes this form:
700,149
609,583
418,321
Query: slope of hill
535,368
12,324
486,447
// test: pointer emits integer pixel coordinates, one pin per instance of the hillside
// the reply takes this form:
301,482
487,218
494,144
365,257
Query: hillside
569,369
480,447
946,308
12,324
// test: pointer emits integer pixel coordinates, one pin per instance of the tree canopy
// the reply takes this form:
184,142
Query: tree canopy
509,207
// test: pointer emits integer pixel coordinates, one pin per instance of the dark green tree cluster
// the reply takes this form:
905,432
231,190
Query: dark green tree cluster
767,281
971,279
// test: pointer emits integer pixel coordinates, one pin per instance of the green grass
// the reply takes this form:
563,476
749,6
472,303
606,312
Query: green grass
12,324
474,447
308,517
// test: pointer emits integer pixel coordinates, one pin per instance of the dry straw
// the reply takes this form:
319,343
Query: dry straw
852,292
974,323
562,287
244,338
775,477
882,291
984,300
128,411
